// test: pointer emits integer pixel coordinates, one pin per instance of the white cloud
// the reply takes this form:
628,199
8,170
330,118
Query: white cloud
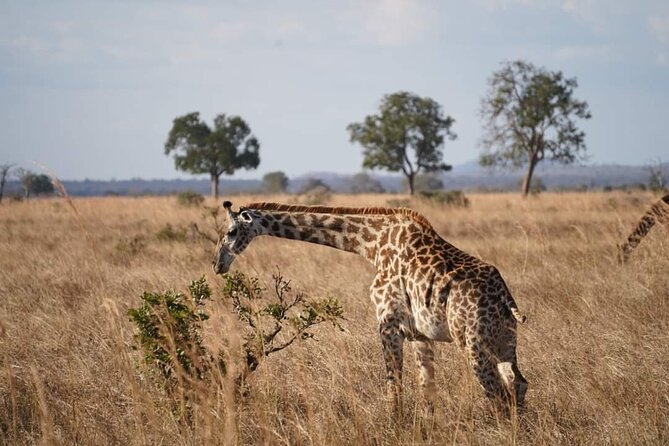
662,59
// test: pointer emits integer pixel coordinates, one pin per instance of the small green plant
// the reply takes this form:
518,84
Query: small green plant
190,198
169,332
275,325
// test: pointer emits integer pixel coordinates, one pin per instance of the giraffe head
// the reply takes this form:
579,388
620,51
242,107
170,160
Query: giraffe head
237,236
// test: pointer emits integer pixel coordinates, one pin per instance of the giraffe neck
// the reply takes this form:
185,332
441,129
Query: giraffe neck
658,213
359,234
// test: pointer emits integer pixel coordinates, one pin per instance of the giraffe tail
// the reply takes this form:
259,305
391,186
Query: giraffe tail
520,317
512,306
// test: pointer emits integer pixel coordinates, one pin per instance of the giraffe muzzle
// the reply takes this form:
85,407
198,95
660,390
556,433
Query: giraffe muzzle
222,262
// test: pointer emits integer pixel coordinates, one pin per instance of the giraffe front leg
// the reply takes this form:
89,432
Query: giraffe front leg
425,359
392,341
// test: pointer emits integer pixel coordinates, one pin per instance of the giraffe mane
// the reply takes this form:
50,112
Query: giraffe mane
340,210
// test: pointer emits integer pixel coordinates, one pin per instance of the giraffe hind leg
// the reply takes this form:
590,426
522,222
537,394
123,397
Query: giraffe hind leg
486,373
514,382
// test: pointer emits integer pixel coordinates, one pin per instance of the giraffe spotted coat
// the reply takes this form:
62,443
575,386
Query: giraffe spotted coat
657,213
425,289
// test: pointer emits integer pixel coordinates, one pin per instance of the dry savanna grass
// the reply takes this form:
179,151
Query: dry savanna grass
595,348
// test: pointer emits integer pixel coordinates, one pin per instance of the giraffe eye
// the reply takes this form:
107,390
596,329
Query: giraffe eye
232,232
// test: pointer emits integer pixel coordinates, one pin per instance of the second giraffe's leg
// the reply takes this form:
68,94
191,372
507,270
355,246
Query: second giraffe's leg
425,359
392,342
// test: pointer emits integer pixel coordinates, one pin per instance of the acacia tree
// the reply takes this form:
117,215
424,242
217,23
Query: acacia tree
406,136
4,172
529,115
222,150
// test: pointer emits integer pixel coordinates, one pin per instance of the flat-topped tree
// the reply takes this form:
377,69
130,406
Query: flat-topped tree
227,147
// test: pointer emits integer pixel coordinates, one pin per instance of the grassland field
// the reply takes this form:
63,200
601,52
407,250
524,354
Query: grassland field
595,349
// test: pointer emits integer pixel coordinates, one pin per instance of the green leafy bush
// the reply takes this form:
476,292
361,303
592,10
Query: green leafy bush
169,333
169,330
275,325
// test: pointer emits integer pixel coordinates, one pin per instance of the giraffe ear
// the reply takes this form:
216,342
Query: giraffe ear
246,216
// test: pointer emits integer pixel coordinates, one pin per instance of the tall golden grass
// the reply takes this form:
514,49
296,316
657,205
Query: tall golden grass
595,348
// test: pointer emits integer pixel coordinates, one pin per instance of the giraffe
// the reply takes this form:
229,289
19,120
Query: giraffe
425,290
657,213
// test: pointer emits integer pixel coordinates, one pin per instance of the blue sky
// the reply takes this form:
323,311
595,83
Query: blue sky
89,88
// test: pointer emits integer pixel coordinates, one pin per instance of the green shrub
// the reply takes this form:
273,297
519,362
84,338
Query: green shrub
169,333
273,326
190,198
169,325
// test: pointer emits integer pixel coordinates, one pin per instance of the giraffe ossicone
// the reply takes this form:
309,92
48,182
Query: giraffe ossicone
425,289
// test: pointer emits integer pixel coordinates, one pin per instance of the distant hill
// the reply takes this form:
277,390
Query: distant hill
469,177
